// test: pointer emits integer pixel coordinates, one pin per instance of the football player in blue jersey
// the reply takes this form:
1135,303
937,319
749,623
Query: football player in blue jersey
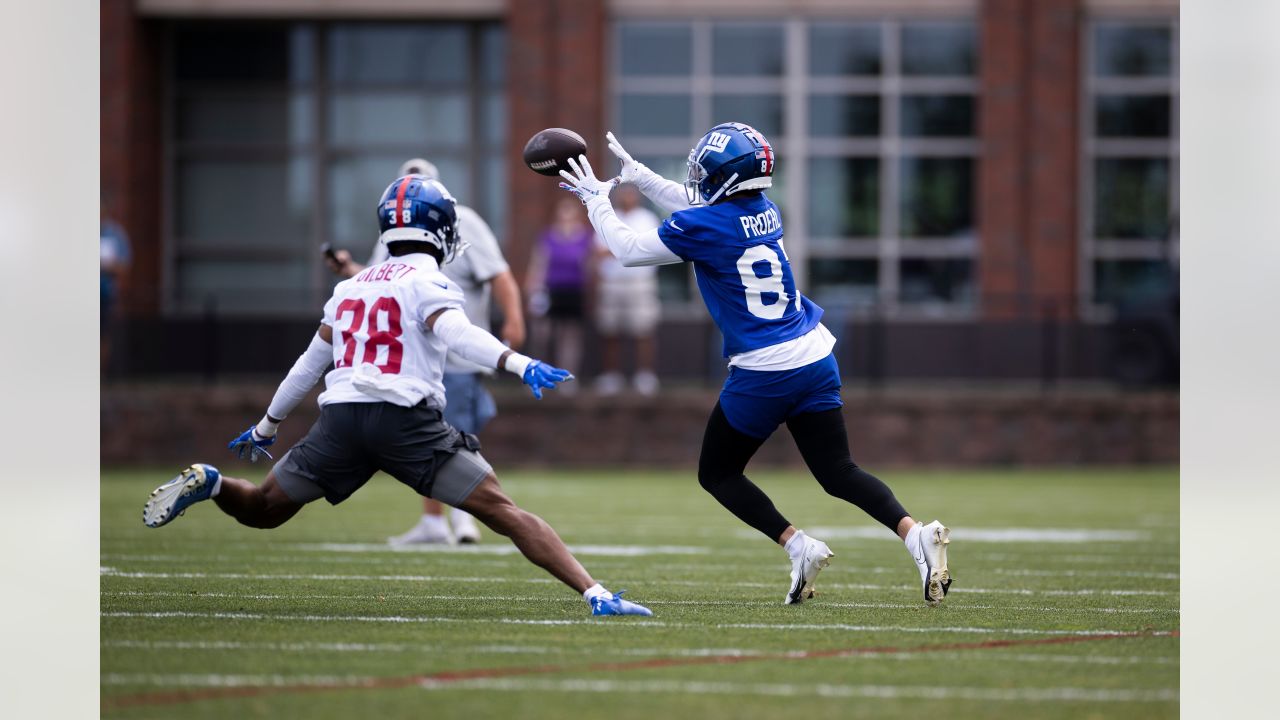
781,368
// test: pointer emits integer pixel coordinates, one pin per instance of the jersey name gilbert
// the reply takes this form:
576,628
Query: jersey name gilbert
385,272
765,223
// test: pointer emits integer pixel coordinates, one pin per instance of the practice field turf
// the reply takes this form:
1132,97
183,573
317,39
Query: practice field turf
1065,605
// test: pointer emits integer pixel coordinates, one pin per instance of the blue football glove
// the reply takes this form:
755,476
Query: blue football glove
541,375
251,446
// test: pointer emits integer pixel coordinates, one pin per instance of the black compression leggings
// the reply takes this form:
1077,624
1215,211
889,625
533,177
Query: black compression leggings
824,445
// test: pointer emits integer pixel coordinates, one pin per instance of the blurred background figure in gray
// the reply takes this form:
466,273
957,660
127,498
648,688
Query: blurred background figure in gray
627,305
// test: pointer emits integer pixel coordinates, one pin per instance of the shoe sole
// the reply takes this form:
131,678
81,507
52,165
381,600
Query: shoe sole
159,509
939,576
806,590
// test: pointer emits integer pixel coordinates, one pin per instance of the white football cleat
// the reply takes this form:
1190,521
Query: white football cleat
192,485
464,527
930,554
429,530
805,568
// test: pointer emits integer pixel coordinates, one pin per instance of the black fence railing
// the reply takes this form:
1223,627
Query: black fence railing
1036,341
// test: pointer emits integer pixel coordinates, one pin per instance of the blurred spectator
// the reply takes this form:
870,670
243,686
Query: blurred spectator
557,284
113,257
627,304
480,270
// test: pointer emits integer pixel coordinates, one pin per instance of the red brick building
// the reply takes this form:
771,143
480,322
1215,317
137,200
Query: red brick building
972,188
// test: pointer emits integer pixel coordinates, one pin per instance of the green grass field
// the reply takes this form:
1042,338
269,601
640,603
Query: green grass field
1065,604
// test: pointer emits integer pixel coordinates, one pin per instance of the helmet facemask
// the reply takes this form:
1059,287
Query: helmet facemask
693,181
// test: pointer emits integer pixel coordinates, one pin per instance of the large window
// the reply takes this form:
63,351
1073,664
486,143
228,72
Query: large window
875,127
282,136
1129,248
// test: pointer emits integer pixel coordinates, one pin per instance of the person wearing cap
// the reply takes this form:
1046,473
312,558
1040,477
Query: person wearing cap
480,271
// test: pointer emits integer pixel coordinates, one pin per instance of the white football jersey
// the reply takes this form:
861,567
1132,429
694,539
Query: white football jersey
379,321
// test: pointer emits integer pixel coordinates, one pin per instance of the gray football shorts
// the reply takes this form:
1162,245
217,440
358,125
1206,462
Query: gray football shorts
352,441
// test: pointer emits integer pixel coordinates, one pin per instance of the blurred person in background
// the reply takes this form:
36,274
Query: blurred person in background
557,279
469,406
627,304
113,262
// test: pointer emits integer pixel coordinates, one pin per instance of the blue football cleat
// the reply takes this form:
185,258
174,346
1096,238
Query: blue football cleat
615,605
172,498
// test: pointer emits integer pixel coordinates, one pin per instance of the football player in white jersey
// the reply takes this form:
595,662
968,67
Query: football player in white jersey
480,272
387,331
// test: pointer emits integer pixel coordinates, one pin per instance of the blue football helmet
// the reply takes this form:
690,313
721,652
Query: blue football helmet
730,158
417,208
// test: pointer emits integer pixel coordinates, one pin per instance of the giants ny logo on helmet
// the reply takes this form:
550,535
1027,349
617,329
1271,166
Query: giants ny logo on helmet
416,208
730,158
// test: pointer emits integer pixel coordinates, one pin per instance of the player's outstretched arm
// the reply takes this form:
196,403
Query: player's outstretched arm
664,193
303,376
452,326
630,247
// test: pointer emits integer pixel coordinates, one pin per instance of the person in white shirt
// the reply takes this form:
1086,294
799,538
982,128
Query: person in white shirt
627,303
386,332
481,271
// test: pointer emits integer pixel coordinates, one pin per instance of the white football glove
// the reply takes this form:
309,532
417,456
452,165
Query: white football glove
630,168
584,183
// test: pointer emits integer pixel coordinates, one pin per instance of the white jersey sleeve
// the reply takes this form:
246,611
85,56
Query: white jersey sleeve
633,249
664,193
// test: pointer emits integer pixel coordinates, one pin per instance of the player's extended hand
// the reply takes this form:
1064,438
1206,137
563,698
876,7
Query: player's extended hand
583,182
541,375
630,168
250,445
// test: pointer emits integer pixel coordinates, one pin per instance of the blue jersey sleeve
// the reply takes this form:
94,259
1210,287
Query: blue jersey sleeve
681,232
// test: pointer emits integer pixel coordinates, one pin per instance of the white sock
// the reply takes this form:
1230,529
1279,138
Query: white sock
432,521
595,591
795,545
457,514
912,540
217,487
914,549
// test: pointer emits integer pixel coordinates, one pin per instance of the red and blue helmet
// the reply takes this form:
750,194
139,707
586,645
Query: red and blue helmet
420,209
730,158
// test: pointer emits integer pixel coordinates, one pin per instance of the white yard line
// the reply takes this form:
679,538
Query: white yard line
980,535
335,647
308,647
565,600
114,572
401,619
502,549
888,692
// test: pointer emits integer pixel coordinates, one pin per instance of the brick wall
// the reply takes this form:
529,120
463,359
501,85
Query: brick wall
179,424
556,78
1028,192
130,132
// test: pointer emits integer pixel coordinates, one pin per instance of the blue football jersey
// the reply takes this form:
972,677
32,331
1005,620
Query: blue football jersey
743,272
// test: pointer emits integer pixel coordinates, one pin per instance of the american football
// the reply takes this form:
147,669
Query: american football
548,152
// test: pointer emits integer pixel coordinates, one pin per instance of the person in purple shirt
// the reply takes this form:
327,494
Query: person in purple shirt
557,281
